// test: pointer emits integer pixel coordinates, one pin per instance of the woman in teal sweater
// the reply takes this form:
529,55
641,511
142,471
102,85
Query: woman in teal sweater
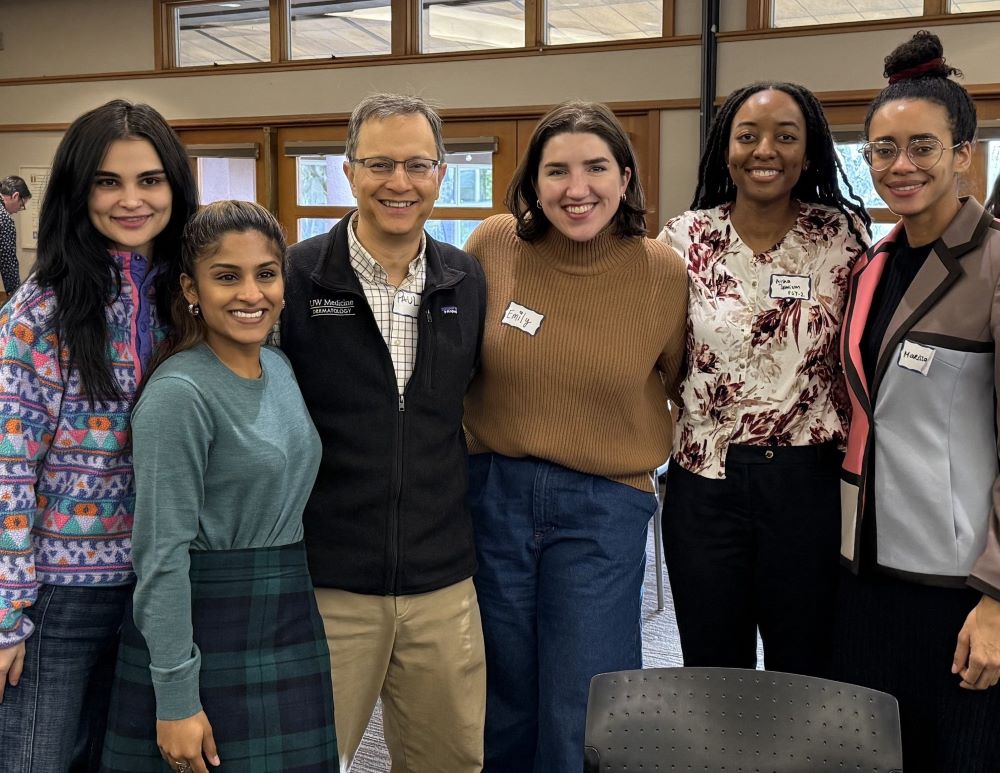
226,660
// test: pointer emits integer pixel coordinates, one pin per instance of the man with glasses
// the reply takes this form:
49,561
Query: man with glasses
14,193
383,325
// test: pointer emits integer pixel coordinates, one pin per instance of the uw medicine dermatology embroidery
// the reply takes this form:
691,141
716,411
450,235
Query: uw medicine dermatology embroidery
331,307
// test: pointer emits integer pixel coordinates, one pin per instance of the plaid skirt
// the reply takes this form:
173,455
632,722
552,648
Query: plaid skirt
265,669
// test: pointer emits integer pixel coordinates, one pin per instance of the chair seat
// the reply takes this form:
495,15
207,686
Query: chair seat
738,721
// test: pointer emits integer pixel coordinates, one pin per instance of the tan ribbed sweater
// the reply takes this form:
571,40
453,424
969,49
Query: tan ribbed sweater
586,391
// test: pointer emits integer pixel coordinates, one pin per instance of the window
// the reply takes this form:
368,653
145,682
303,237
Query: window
321,30
589,21
971,6
227,163
794,13
221,33
205,34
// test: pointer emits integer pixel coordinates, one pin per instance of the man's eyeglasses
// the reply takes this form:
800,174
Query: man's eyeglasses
923,153
384,167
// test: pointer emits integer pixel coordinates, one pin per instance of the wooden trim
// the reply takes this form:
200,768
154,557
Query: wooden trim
758,15
942,20
935,7
651,171
534,23
161,45
280,30
360,61
669,19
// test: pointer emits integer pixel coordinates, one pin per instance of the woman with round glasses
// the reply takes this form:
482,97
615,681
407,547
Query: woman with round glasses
751,520
918,614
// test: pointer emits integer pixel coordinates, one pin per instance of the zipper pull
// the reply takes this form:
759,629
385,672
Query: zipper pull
402,403
428,313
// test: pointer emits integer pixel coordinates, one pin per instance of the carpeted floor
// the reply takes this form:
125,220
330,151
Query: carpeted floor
660,647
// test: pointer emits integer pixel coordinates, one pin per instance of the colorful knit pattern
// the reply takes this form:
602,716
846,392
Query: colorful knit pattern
66,486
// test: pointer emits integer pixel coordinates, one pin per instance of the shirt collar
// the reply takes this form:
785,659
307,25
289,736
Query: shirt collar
367,267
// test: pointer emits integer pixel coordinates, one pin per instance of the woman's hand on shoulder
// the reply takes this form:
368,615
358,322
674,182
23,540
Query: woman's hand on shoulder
977,656
11,666
188,740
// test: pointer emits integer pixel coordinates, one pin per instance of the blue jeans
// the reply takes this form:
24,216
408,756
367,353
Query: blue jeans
561,562
54,720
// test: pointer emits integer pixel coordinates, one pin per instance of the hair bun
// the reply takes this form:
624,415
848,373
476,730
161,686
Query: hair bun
922,56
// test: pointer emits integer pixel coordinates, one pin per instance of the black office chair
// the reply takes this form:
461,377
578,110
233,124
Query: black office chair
735,720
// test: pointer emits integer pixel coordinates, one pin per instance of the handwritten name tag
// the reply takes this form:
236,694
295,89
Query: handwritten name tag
791,286
522,318
406,304
915,357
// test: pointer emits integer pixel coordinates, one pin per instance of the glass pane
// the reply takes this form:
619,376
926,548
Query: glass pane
453,232
226,178
314,226
463,25
322,182
858,173
971,6
880,230
585,21
222,33
792,13
992,165
345,28
468,182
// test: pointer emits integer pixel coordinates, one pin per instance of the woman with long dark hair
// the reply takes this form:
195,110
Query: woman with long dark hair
919,615
74,342
566,419
750,520
225,456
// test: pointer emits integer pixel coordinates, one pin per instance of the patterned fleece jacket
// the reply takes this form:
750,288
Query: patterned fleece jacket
66,486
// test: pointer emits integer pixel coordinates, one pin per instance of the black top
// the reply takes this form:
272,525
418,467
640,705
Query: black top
902,266
387,515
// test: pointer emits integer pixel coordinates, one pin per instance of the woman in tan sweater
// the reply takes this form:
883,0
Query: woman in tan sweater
565,420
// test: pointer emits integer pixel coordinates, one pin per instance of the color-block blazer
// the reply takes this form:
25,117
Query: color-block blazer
922,451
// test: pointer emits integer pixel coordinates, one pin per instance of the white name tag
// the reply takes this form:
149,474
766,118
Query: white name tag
916,357
793,286
522,318
406,304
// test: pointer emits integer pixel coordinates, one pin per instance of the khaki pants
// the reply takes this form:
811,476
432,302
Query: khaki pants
424,655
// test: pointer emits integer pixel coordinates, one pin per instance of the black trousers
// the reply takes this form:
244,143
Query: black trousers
900,637
759,549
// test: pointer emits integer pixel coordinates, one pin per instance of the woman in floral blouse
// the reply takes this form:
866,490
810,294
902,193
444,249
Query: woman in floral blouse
751,519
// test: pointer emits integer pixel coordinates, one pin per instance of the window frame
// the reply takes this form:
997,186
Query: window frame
406,38
759,14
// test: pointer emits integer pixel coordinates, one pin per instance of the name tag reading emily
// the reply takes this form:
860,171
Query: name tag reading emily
915,357
791,286
522,318
406,304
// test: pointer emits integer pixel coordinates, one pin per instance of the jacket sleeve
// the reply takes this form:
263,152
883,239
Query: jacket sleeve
10,272
171,435
985,574
31,392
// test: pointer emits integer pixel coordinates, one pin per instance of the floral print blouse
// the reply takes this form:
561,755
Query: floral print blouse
762,364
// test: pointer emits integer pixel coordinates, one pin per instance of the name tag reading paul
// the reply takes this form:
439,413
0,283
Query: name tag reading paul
406,304
522,318
915,357
790,286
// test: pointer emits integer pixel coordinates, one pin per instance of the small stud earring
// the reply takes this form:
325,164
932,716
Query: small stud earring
194,309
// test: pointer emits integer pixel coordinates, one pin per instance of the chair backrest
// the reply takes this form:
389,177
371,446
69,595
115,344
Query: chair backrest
737,720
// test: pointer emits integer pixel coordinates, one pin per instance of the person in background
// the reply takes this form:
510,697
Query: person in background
225,458
919,614
75,340
382,327
566,419
751,516
14,195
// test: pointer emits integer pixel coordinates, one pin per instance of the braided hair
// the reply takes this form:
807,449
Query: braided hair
917,69
818,182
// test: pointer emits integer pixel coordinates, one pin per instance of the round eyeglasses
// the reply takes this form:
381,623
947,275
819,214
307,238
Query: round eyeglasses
923,153
384,167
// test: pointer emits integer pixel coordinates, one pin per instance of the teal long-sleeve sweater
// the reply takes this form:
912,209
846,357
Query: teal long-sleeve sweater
221,463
